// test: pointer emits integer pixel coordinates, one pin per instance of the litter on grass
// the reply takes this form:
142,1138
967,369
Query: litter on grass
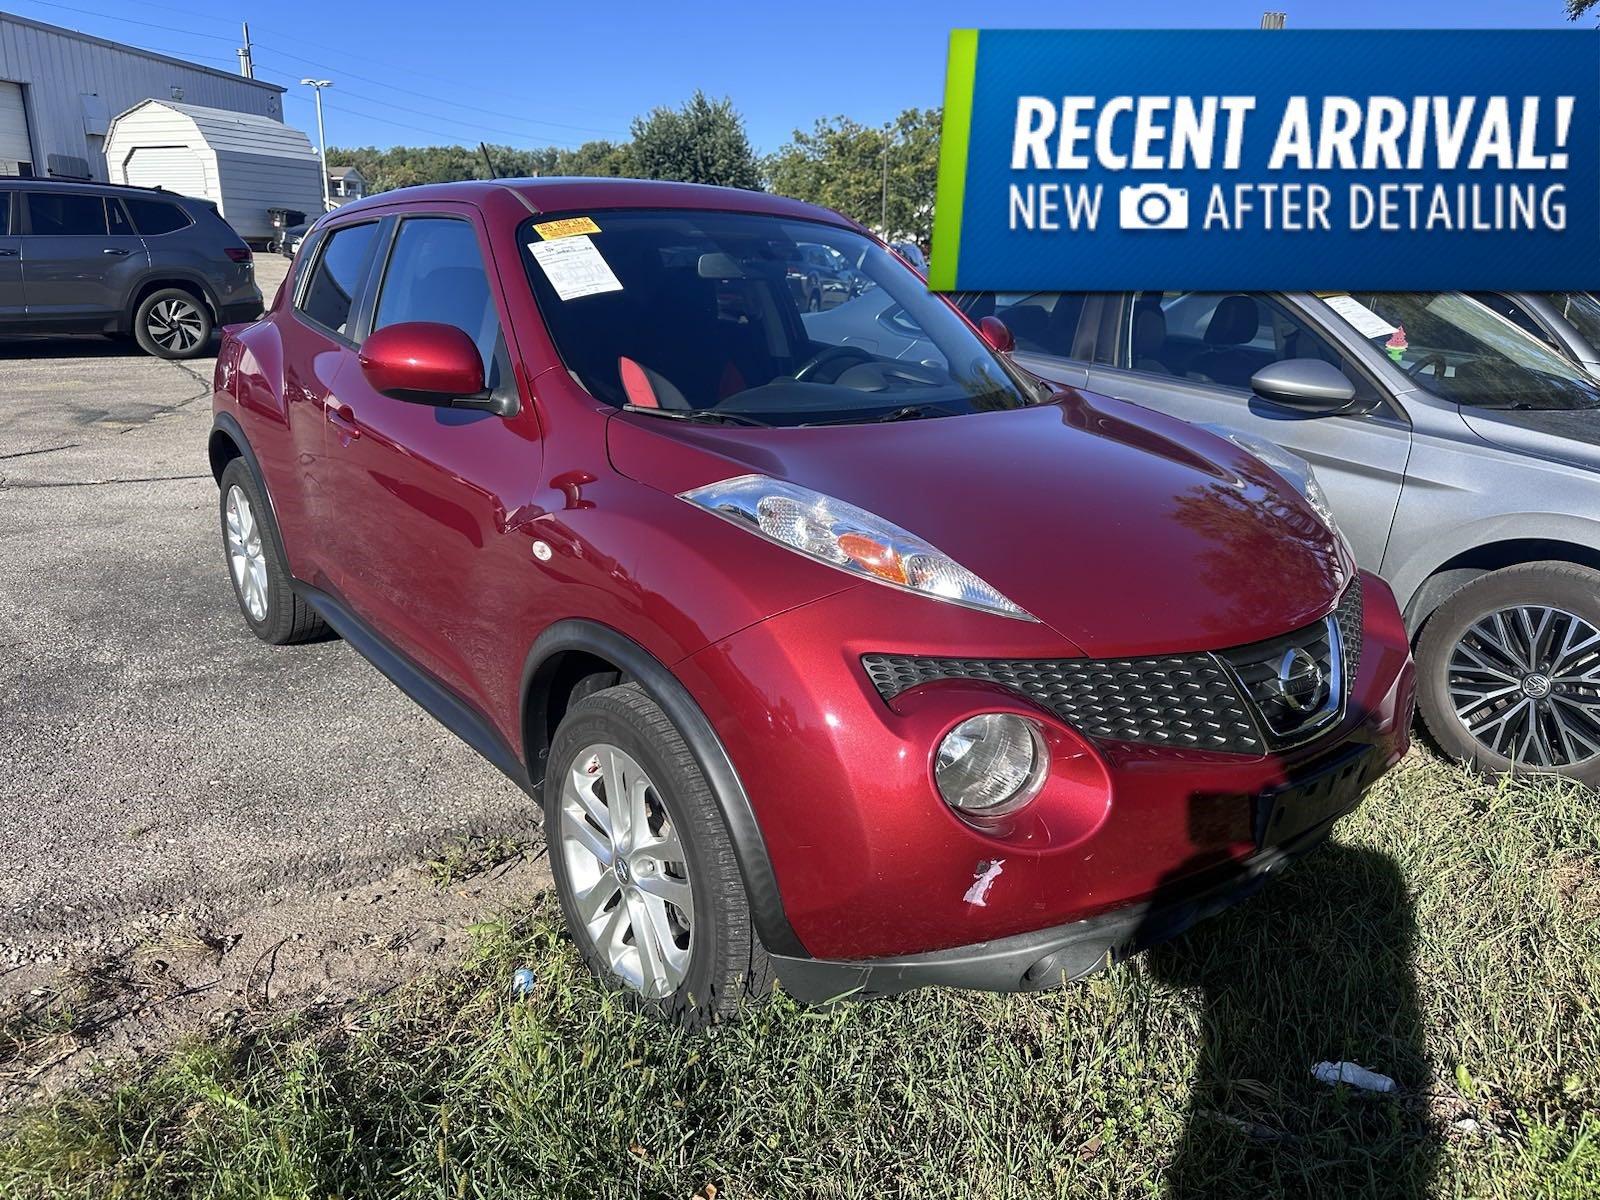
522,982
1353,1074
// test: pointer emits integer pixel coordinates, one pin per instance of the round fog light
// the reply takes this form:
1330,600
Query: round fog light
990,765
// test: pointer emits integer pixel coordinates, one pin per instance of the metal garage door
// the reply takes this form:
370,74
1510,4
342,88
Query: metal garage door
16,153
176,168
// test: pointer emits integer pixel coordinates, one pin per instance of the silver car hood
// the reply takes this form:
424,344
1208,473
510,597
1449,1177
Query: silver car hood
1563,435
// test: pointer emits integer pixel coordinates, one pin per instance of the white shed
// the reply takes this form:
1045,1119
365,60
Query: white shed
242,163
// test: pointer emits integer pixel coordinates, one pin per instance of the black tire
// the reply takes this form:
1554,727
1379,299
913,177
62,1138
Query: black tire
285,618
173,324
1561,586
727,962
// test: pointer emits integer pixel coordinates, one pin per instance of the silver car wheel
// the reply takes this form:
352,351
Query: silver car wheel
628,870
245,556
1525,682
175,324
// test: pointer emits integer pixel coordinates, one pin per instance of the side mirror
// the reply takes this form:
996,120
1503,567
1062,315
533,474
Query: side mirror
426,363
997,334
1308,384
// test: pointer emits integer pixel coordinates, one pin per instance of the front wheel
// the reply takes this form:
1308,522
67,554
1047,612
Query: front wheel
643,865
172,324
1509,671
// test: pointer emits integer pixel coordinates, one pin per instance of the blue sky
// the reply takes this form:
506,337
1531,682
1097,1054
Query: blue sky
527,74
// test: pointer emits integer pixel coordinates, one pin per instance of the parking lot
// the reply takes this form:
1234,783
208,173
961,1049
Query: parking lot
165,777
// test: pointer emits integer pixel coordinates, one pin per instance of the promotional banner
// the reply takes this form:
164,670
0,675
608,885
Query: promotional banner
1254,160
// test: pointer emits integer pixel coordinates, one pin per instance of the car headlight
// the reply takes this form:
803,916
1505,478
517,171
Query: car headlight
848,538
990,765
1293,469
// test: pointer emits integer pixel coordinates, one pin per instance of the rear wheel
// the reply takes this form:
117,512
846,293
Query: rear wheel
1510,671
171,323
269,603
643,866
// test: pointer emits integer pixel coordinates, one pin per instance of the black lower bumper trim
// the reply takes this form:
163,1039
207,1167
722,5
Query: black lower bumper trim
1028,962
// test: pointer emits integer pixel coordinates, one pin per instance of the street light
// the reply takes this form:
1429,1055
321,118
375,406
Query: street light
316,85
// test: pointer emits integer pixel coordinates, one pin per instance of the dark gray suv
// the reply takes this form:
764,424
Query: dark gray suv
132,262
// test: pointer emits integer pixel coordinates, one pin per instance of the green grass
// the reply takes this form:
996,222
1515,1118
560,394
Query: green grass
1448,937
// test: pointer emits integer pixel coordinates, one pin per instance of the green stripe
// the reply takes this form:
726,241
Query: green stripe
954,137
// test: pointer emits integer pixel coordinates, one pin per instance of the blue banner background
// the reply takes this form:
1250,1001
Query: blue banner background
1272,66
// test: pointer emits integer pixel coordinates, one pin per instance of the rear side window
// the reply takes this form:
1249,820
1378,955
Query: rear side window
66,214
116,219
8,223
154,217
331,291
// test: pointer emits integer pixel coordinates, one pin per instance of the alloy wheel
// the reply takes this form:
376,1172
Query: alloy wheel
175,325
628,870
1525,683
245,554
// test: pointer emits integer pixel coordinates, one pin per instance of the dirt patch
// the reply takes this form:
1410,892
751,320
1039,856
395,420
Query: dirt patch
63,1016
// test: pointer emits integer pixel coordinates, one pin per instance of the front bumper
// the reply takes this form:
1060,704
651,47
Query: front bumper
1030,962
872,866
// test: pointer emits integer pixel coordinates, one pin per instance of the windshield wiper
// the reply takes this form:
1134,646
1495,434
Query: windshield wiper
913,412
696,414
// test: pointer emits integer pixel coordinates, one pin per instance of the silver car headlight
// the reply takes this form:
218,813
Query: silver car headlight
848,538
1294,470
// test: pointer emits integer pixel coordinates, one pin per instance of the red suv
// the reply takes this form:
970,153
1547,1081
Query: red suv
837,648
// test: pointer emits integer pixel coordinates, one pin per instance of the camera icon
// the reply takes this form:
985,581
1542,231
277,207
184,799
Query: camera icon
1154,206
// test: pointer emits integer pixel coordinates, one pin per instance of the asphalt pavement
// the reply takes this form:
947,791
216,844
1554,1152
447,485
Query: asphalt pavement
154,756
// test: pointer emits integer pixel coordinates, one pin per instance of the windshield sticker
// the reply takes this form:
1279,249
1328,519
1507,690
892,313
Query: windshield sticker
574,267
568,227
1365,322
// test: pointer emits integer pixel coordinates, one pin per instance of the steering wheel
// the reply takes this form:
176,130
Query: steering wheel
1436,361
819,360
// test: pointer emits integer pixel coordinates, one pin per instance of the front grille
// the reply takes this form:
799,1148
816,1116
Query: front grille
1350,615
1176,701
1294,681
1203,701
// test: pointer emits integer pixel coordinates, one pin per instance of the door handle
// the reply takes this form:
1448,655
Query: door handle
342,417
7,252
120,253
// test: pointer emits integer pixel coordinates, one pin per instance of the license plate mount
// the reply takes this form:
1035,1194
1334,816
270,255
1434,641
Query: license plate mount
1285,813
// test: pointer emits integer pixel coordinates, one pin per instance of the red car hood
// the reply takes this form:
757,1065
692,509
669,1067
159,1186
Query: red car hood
1125,531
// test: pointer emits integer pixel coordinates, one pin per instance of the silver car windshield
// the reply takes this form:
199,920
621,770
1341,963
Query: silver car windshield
1582,309
1463,352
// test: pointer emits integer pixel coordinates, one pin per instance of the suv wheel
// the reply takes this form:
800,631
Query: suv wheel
171,323
643,866
274,611
1510,671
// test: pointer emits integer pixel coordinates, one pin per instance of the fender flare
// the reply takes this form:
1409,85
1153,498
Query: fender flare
227,424
173,275
638,664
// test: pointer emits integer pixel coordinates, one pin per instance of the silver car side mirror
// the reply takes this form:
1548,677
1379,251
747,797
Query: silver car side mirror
1308,384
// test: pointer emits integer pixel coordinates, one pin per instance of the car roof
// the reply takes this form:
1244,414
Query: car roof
27,183
578,194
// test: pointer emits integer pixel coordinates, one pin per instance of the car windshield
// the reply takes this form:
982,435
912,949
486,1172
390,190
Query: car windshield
721,315
1463,352
1582,310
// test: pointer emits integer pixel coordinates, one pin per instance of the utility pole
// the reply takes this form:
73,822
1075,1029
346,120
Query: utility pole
884,218
247,66
316,85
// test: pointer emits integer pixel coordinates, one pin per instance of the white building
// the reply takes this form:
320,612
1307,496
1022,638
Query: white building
244,164
59,90
346,183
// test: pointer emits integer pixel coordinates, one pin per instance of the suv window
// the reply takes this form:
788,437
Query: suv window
66,214
1221,338
436,273
116,218
8,223
153,217
342,265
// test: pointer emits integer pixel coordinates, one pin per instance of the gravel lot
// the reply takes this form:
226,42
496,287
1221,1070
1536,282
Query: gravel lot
159,767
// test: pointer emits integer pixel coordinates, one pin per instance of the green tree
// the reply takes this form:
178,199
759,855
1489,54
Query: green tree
842,164
1576,8
702,142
